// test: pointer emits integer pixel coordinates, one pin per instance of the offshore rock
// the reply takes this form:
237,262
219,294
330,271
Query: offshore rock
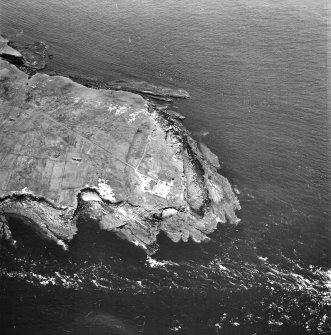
33,55
29,57
68,151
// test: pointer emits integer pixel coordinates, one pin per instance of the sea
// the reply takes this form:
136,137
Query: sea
257,73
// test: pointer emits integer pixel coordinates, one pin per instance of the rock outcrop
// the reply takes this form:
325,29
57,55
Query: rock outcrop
68,151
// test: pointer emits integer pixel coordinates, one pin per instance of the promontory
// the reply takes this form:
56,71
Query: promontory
69,151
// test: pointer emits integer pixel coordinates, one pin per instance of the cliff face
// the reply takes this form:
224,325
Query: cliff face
69,151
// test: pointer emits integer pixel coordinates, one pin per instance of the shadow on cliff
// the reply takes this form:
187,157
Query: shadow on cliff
91,243
27,241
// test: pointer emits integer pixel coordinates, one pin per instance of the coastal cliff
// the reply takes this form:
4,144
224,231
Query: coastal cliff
69,152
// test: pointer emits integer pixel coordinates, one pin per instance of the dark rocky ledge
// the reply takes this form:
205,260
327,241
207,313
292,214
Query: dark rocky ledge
68,151
147,90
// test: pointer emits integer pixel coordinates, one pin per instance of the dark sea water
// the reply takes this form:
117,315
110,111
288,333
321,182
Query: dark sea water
257,73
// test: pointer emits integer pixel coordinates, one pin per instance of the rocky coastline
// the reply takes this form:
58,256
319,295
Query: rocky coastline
100,152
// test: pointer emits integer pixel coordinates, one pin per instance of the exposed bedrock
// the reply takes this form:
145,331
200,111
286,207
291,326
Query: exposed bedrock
68,151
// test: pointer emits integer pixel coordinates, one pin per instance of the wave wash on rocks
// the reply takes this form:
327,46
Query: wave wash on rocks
69,152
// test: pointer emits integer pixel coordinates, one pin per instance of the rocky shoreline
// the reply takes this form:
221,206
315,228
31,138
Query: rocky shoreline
70,151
